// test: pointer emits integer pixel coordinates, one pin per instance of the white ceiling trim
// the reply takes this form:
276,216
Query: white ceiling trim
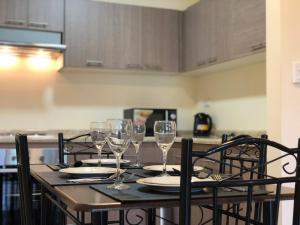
167,4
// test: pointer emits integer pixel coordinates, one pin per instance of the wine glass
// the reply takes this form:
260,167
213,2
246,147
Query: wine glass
165,133
98,132
137,137
118,139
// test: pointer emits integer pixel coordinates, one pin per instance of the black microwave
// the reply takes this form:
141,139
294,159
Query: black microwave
150,116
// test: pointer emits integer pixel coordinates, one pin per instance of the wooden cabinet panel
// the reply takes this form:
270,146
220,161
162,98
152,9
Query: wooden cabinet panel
118,36
216,31
46,14
13,13
130,38
200,35
190,38
247,27
160,39
33,14
77,39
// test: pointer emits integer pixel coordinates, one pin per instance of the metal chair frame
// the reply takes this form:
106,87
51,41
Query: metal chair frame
262,179
74,147
25,186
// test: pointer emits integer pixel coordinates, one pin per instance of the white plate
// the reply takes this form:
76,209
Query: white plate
104,161
159,168
89,171
167,184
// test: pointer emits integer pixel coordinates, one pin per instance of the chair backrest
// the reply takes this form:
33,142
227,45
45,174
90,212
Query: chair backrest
24,179
252,188
242,157
80,145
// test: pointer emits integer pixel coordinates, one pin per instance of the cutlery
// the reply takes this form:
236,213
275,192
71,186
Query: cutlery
218,177
92,179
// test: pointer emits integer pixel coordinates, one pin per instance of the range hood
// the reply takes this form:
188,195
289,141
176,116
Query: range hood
27,42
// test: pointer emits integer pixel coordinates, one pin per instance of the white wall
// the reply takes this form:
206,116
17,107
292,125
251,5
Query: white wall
283,107
235,98
70,100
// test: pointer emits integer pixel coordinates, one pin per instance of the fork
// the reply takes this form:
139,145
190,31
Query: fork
218,177
92,179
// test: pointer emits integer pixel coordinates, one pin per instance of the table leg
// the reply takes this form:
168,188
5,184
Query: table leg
44,206
100,217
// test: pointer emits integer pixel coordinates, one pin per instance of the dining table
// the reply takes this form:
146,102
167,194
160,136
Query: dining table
96,199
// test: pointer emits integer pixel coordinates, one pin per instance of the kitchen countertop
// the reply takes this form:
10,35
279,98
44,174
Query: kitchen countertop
50,136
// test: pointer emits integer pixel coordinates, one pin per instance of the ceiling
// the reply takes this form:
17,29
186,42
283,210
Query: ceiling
168,4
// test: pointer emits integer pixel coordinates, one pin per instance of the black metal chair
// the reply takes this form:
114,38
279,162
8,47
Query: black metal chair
24,180
80,145
246,188
238,159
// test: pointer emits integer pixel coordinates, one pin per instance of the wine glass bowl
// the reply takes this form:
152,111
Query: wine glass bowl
137,137
98,132
165,133
118,139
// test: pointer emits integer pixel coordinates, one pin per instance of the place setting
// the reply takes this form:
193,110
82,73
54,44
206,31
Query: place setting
156,181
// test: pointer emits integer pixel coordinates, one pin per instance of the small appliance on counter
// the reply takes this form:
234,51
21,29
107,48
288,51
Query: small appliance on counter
202,124
149,116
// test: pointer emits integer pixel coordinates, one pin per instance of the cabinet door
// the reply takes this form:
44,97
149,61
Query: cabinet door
77,31
207,28
160,39
130,37
247,27
190,38
200,41
46,14
13,13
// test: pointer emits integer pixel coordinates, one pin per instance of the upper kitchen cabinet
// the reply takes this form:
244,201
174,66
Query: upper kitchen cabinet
247,27
93,39
46,14
33,14
160,39
115,36
200,43
13,13
215,31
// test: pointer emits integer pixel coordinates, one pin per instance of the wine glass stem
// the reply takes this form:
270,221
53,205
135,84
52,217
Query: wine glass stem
165,153
118,158
137,151
99,156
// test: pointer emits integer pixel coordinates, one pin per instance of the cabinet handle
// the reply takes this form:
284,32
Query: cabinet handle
157,68
153,67
201,63
134,66
212,60
15,22
95,63
38,24
258,47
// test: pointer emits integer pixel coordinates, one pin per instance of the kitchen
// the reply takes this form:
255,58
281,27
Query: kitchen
234,95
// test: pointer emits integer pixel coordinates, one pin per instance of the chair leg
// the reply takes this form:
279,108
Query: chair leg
268,213
100,218
122,217
151,216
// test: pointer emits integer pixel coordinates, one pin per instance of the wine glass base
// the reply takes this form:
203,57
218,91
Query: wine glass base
164,175
118,186
136,165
